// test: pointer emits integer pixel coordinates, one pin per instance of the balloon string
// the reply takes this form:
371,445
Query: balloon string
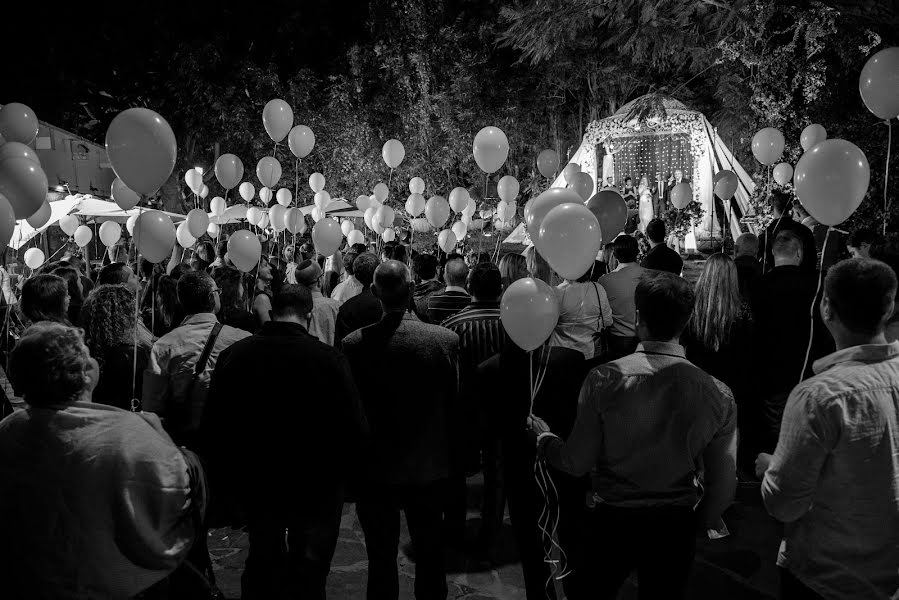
134,402
886,177
275,152
296,183
811,312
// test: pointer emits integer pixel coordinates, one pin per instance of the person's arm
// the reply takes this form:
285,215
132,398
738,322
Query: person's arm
262,308
720,464
156,389
175,259
578,454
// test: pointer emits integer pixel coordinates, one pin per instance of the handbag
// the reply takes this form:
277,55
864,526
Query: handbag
601,335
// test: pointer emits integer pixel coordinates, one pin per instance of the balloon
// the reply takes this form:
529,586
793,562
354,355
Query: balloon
83,236
154,235
465,219
384,216
879,83
110,233
582,183
393,153
363,203
277,118
18,123
768,145
570,239
389,235
246,191
41,217
491,149
197,222
376,226
347,227
446,240
415,205
34,258
460,230
569,171
529,312
368,215
276,216
681,195
417,185
213,229
265,194
437,211
301,140
374,202
142,149
783,173
507,188
421,225
458,199
381,192
811,135
7,221
317,214
244,250
268,171
610,210
548,163
725,184
355,237
537,208
294,221
183,235
502,209
228,171
284,197
326,236
217,206
24,184
831,180
263,222
129,224
194,180
17,149
322,199
470,207
254,215
68,224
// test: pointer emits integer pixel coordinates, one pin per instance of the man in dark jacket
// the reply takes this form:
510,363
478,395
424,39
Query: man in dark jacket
362,309
260,453
783,221
749,269
661,257
424,269
406,463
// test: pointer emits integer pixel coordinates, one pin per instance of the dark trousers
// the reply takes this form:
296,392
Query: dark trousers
620,346
379,509
773,411
793,589
291,546
658,542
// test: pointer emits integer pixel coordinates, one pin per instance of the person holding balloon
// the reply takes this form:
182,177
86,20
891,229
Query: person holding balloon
781,204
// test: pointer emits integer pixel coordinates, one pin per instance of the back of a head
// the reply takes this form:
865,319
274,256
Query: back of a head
195,292
746,245
861,293
393,285
718,302
655,231
110,318
512,267
44,298
779,201
359,249
308,273
292,301
665,304
73,283
485,282
48,364
230,282
625,249
425,266
348,259
787,248
364,268
456,273
114,274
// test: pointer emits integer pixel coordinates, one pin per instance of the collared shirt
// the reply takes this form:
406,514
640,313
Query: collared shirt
584,310
620,286
172,362
324,317
834,478
421,296
481,335
444,305
346,289
643,424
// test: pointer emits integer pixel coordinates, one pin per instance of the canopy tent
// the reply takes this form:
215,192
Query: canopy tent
238,212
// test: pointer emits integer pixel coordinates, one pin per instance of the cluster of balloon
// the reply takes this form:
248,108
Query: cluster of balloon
831,180
548,163
326,236
110,233
124,197
244,250
529,312
537,208
23,184
768,145
34,257
570,239
446,240
393,153
154,235
490,149
681,195
228,171
610,211
437,211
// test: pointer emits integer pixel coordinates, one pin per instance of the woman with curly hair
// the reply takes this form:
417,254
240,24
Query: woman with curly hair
110,328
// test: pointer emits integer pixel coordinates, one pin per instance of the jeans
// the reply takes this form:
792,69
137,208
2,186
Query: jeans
379,509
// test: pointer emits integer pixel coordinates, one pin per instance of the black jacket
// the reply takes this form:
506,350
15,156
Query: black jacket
786,223
663,258
359,311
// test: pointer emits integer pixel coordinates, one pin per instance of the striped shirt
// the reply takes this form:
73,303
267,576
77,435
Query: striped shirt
481,335
443,306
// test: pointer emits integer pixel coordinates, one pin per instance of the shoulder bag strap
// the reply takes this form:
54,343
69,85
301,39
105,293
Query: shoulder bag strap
602,319
204,359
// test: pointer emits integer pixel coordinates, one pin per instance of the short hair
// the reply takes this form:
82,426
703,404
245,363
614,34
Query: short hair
456,272
348,260
862,294
786,243
628,178
44,298
655,231
364,268
485,281
195,292
393,291
747,244
359,249
47,365
665,302
779,201
292,299
113,274
625,248
205,251
425,266
861,236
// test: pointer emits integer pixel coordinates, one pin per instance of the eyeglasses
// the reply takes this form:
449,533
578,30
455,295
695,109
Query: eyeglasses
217,291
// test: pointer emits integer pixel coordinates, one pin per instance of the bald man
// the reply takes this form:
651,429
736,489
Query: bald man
454,297
406,463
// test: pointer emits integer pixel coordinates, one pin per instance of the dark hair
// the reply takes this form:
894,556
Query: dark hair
73,280
399,253
628,178
47,365
44,299
665,302
331,279
167,308
779,201
360,249
512,267
862,293
425,266
364,268
205,251
786,243
485,281
195,292
348,259
113,274
109,318
655,231
863,236
625,248
234,293
146,268
747,244
292,299
221,249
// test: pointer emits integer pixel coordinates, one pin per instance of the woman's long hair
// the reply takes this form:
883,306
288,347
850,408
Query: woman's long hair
512,267
234,293
110,319
168,309
718,303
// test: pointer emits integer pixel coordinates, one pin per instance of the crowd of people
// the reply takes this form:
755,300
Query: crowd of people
162,400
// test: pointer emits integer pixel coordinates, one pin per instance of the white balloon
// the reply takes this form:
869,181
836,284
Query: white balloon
213,229
110,233
355,237
317,182
389,235
83,235
385,216
460,230
194,180
369,215
347,227
322,199
217,206
68,224
471,208
265,194
34,258
317,214
417,185
284,197
247,191
263,222
446,240
458,199
254,215
204,192
381,192
129,224
363,203
276,216
182,234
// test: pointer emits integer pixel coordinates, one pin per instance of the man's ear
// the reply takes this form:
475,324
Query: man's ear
826,309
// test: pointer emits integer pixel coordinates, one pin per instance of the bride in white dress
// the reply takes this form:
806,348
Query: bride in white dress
645,204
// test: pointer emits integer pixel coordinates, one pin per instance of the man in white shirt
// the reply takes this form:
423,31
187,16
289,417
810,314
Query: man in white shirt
350,286
324,310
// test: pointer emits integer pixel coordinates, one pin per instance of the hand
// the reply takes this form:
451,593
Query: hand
536,425
761,464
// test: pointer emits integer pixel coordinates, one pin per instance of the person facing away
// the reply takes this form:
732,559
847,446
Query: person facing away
173,387
512,267
454,297
97,502
350,286
233,300
780,209
273,458
407,461
620,286
650,426
584,311
782,323
833,477
424,270
45,298
363,308
323,318
749,269
75,291
660,257
887,250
